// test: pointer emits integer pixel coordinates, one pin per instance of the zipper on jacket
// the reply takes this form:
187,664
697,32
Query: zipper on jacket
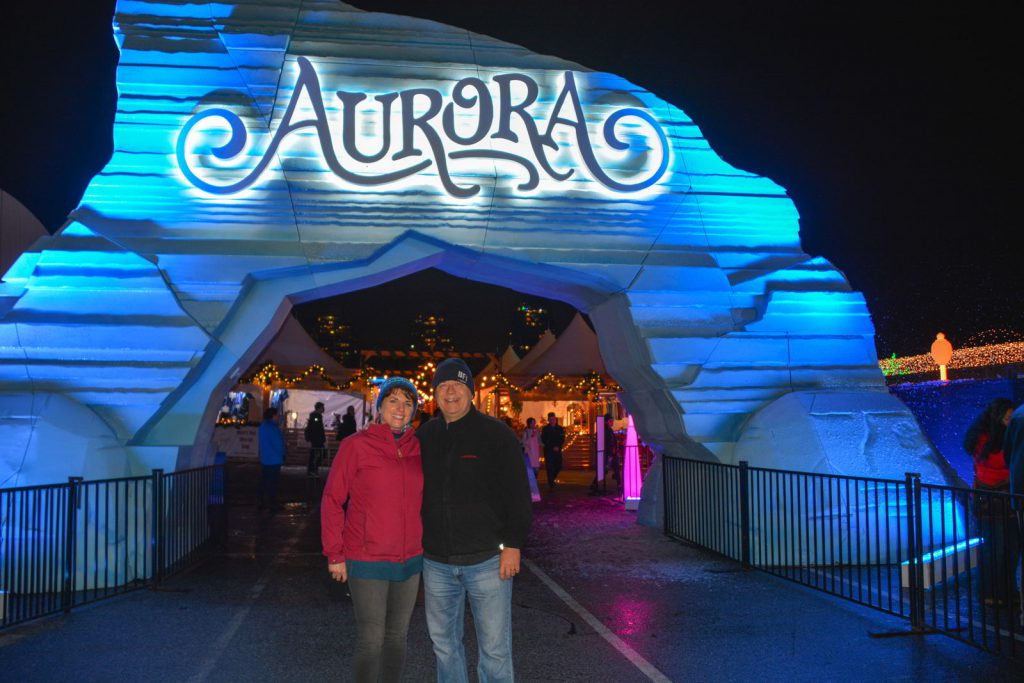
405,522
449,467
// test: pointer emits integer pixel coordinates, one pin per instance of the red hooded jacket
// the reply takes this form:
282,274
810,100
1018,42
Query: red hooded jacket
381,477
992,471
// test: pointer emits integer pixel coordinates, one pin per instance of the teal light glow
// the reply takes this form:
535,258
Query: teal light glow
948,550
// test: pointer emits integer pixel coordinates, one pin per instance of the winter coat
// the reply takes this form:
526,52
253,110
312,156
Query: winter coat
476,496
271,443
553,438
381,477
531,446
990,469
314,432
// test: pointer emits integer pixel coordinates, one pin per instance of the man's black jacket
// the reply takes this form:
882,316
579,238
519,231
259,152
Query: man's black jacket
476,496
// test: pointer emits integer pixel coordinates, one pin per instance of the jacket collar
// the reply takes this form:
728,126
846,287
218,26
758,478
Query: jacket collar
462,420
383,432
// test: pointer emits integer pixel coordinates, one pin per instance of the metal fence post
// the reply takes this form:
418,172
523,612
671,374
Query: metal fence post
744,514
67,597
915,550
158,526
664,496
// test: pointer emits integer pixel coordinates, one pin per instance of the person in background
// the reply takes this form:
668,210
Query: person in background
316,437
531,444
346,426
375,543
476,515
1013,447
271,459
553,438
997,523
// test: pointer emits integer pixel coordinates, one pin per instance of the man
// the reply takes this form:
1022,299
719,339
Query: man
553,438
271,458
346,425
476,514
316,437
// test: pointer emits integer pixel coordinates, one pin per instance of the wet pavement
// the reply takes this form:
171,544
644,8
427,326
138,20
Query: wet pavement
600,599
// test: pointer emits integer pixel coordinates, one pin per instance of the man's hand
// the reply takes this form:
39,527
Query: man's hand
508,563
339,573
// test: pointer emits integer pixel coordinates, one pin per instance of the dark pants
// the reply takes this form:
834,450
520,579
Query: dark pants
999,555
266,494
552,465
317,454
611,466
383,610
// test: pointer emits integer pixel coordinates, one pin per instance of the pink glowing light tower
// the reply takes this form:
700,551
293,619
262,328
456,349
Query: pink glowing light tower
631,478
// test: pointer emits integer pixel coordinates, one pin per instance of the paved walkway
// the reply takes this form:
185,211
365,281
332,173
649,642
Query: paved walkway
601,599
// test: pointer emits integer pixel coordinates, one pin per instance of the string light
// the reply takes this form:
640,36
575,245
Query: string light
269,374
588,386
1009,353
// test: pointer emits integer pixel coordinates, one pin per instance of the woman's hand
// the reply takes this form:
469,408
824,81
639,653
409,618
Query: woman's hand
338,571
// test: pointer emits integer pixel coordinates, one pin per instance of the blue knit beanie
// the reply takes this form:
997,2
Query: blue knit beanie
392,383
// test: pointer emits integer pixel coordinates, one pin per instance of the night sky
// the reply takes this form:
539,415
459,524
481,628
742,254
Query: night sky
890,128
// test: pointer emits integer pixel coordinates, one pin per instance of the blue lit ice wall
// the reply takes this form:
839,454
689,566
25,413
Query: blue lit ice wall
162,287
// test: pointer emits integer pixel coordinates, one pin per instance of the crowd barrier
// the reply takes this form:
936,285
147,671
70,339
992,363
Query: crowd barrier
941,557
66,545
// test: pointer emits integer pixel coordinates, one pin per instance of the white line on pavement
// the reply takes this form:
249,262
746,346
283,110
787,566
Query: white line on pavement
232,627
629,653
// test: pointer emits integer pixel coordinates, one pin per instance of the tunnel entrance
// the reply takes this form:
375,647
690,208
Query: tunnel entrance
530,356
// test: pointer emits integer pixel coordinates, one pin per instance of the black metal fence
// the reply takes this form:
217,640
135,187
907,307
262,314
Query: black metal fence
66,545
942,557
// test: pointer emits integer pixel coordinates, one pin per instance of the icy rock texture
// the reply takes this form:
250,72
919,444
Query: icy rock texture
845,433
156,295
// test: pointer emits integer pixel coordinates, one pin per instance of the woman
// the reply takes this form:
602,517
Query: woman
377,544
531,444
996,521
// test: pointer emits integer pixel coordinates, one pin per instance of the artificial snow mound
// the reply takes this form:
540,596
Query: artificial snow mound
863,433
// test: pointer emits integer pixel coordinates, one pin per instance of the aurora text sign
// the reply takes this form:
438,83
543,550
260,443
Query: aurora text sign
477,125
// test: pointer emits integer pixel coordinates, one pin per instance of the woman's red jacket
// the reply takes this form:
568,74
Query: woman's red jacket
381,477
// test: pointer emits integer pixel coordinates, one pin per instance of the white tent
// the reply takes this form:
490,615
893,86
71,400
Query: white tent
292,350
508,359
504,363
300,403
574,354
542,345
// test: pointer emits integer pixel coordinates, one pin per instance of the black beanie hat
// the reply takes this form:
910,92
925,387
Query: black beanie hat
453,369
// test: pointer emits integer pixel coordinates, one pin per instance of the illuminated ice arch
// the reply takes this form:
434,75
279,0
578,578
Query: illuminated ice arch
156,293
485,123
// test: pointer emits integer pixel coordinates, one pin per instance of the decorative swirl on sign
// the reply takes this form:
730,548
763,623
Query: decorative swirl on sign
615,143
229,150
531,183
309,82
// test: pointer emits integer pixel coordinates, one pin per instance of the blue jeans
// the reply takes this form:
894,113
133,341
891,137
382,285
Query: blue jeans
446,587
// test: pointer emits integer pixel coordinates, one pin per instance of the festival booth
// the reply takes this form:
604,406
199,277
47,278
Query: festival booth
292,374
487,391
566,376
